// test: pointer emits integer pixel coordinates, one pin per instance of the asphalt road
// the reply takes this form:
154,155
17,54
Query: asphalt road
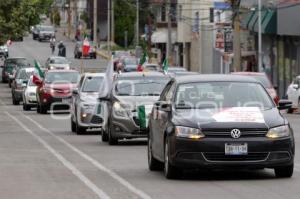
41,158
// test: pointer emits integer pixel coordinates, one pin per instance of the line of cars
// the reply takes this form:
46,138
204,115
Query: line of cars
192,121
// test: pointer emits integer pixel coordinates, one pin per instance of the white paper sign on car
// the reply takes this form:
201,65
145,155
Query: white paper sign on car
240,114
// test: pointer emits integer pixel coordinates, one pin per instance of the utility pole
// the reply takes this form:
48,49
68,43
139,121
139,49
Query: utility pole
69,20
137,22
169,42
236,35
260,65
113,21
95,25
108,25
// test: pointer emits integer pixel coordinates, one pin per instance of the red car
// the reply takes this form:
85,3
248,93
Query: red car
262,77
55,90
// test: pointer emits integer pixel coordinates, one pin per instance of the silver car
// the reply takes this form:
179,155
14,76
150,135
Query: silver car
130,92
57,63
29,95
86,111
45,33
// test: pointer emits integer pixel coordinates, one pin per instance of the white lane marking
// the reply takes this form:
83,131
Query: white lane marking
98,165
101,194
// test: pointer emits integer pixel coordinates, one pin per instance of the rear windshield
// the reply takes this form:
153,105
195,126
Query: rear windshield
92,84
59,60
23,74
19,62
263,80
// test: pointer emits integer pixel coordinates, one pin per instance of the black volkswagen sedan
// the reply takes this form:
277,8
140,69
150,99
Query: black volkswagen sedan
219,122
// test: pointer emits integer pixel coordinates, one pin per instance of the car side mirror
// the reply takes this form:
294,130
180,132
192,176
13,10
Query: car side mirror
296,86
284,104
75,91
164,106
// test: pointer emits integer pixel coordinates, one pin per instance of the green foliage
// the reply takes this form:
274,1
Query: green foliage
55,17
16,16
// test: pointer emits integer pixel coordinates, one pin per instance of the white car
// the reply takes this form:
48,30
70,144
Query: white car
57,63
29,95
86,110
293,94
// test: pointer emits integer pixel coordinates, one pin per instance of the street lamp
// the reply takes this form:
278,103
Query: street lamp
67,6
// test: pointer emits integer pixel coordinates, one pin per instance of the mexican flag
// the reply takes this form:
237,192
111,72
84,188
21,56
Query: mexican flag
86,47
165,65
38,73
143,115
142,61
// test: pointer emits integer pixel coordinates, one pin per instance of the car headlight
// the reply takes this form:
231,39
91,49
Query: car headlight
187,132
279,132
52,67
119,109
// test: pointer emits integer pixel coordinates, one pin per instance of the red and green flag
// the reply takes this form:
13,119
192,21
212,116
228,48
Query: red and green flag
165,65
38,73
142,61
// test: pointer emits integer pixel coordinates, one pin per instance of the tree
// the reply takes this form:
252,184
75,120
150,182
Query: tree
16,16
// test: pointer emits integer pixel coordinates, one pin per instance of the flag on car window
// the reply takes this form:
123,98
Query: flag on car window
143,115
142,61
165,65
86,47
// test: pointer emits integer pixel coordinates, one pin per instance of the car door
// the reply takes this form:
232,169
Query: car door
297,95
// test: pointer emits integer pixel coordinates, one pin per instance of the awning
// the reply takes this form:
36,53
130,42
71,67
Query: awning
161,36
246,20
269,21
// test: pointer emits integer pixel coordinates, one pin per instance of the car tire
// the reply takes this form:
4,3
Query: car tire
78,56
104,136
290,111
284,172
26,107
79,130
73,126
38,108
43,109
153,164
14,101
9,84
111,140
170,171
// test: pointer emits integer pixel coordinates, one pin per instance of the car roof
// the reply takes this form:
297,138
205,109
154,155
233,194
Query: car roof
249,73
15,58
94,74
214,78
61,70
57,57
142,74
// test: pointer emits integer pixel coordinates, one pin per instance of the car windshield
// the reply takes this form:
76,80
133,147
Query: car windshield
62,77
19,62
214,95
141,86
59,60
23,74
263,79
46,28
92,84
130,61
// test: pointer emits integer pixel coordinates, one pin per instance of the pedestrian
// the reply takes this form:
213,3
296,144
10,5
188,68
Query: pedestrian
61,49
52,44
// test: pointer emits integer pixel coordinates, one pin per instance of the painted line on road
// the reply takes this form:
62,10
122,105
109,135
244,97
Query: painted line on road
100,193
97,164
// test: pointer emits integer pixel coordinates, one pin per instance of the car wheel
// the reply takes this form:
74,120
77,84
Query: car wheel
73,125
284,172
79,129
26,107
290,111
38,108
112,140
43,109
9,84
14,101
104,136
170,171
153,164
78,56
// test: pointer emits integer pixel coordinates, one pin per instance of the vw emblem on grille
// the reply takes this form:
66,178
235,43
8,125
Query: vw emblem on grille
235,133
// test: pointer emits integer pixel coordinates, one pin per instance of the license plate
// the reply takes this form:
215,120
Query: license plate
66,101
236,149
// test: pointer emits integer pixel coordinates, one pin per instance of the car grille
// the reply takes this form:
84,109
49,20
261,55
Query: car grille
226,133
96,120
221,157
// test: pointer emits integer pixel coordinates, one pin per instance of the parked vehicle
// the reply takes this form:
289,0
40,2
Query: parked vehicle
35,32
10,65
176,69
45,33
86,111
262,78
131,91
293,94
78,50
19,82
152,67
219,122
29,95
57,63
4,51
